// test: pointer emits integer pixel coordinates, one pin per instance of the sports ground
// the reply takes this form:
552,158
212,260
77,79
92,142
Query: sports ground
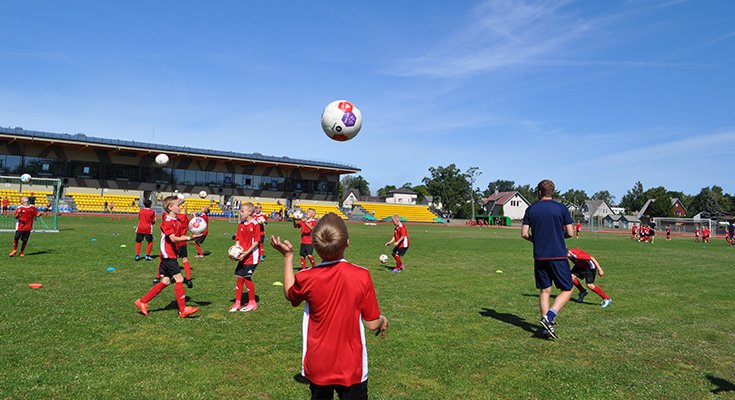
458,329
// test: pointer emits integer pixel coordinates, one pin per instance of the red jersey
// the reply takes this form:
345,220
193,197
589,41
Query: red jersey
205,217
24,216
169,226
581,259
6,203
633,229
264,218
183,227
579,227
146,220
306,227
338,296
400,235
248,232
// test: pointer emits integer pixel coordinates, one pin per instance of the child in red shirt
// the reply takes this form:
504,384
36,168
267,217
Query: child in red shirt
586,266
248,238
25,214
307,249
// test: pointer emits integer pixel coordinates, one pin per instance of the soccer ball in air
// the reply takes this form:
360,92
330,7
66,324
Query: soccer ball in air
341,120
181,198
235,251
202,194
197,225
383,259
25,178
298,214
161,159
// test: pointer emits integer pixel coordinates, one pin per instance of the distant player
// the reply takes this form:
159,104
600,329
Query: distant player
146,220
400,241
25,214
696,234
248,234
307,248
169,267
200,240
262,219
731,231
668,232
577,229
586,266
705,234
633,233
5,205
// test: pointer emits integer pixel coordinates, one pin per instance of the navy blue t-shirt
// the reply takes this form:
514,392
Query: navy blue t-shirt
547,219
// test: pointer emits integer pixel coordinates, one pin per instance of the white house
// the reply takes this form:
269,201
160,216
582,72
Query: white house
402,196
509,204
351,196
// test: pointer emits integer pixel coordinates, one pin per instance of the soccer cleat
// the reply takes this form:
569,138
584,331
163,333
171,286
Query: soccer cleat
396,270
262,258
143,307
581,296
148,258
188,311
252,306
605,303
12,253
137,257
155,281
199,255
22,254
549,327
235,307
188,283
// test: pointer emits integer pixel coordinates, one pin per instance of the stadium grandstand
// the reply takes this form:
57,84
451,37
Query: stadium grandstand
110,175
411,213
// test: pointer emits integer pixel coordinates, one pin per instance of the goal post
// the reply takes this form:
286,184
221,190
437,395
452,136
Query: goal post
682,225
44,193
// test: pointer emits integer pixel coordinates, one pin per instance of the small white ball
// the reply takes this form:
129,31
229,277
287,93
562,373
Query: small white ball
161,159
25,178
383,258
202,194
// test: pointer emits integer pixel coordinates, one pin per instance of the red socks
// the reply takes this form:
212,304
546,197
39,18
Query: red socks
149,248
155,290
137,248
180,295
312,261
600,292
251,290
15,245
199,248
578,285
399,263
187,269
303,262
238,290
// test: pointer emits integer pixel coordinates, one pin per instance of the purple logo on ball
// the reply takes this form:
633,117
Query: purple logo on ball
349,119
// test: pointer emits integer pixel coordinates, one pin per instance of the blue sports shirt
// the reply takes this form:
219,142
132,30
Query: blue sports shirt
547,219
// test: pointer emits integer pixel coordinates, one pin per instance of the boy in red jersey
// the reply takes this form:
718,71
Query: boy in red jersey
586,266
577,229
146,220
696,234
25,214
400,238
307,249
262,219
633,232
183,251
248,234
6,205
339,296
198,242
668,232
705,235
169,267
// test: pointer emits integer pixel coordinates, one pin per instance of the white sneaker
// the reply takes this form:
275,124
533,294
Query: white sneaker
250,307
605,303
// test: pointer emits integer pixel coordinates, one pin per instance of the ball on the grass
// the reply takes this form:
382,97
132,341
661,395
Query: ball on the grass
383,258
197,225
25,178
161,159
235,251
341,120
202,194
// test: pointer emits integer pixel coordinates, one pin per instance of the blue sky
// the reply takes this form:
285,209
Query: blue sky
595,95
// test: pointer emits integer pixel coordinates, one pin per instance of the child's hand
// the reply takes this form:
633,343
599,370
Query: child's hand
602,273
381,331
284,247
387,244
198,235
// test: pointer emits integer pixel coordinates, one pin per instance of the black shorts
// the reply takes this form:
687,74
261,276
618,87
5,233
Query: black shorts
169,267
22,235
401,251
182,252
306,250
653,233
245,270
556,271
200,239
262,239
587,273
140,236
358,391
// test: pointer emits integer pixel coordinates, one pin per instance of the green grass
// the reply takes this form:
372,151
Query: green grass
458,330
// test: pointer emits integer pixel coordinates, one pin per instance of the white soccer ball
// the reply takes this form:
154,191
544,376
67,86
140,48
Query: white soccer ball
197,225
181,198
341,120
161,159
235,251
202,194
260,220
298,214
383,259
25,178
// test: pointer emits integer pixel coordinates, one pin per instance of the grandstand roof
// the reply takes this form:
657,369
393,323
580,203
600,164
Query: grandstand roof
117,144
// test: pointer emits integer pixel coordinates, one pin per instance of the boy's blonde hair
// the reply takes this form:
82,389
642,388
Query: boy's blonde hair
330,236
168,201
249,206
205,209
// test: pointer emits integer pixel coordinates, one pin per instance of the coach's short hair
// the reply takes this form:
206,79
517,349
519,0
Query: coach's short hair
168,201
330,236
546,188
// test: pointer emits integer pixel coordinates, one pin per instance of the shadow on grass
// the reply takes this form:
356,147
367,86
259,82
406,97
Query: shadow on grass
514,320
244,298
175,306
300,379
553,296
38,253
723,385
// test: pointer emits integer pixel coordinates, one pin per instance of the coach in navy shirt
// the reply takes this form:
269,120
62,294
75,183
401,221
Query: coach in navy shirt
546,224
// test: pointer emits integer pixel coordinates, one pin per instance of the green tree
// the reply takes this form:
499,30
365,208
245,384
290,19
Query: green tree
661,206
528,193
633,199
605,196
499,185
354,182
574,196
709,200
450,185
421,192
383,192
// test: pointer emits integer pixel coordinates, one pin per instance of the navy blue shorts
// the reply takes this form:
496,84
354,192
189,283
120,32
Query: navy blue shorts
557,271
306,250
245,270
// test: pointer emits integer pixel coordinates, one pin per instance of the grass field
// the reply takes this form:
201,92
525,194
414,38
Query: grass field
458,329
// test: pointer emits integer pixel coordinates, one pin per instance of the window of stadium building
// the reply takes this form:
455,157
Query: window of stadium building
10,164
85,169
